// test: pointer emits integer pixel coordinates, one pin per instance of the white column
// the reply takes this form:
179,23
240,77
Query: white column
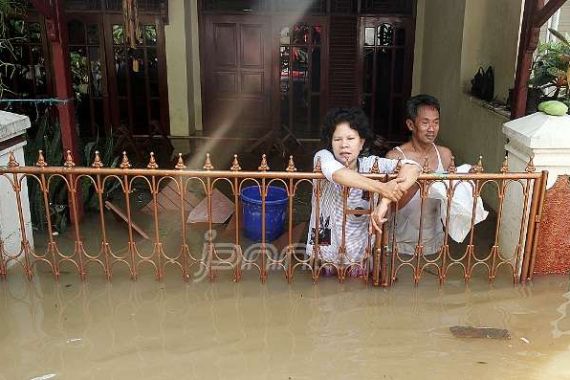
545,138
11,127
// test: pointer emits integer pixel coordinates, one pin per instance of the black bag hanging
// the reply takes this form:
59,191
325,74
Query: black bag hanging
483,84
488,92
477,82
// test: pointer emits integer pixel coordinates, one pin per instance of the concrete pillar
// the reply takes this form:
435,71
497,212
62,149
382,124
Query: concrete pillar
547,139
12,139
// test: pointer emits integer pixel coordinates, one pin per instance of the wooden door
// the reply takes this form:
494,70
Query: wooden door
88,73
386,59
111,89
302,84
137,77
236,73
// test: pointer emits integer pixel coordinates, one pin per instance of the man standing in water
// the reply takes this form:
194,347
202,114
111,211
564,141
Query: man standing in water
422,120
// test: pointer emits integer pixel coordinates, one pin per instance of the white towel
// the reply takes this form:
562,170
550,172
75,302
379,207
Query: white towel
461,210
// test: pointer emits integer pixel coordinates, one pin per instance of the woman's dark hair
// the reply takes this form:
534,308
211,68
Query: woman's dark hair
357,120
414,103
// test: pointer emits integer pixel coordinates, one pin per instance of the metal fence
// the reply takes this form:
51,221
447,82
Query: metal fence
238,255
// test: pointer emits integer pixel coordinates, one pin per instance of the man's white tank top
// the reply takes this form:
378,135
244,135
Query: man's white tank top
408,220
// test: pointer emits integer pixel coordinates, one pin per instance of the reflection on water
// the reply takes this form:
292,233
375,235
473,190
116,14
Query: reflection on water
157,330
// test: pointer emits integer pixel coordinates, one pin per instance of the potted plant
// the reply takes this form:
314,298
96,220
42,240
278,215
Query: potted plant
551,69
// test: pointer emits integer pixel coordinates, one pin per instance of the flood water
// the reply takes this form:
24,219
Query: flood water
147,329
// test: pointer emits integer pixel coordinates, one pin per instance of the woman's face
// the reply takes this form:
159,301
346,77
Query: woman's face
346,144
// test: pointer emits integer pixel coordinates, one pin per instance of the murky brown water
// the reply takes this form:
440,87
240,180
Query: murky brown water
223,330
146,329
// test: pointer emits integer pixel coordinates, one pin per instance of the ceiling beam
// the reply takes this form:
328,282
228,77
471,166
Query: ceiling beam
44,7
542,15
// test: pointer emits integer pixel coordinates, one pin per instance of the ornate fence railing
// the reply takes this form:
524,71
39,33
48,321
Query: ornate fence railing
90,245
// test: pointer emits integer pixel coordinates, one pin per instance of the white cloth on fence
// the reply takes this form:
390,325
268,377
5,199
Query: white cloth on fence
461,208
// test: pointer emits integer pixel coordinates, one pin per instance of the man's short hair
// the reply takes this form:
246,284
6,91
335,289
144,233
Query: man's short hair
415,102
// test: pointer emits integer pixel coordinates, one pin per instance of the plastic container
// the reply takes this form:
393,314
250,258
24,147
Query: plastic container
275,210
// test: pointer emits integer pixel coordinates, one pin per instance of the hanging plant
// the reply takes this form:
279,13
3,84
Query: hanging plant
131,19
133,33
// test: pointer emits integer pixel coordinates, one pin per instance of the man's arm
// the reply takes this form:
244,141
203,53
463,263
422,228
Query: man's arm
410,173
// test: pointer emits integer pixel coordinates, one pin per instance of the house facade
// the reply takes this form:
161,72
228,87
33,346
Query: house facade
245,68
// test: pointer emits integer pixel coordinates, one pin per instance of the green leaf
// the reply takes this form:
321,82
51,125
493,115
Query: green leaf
559,35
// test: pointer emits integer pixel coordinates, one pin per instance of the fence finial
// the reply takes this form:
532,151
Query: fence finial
478,167
180,164
41,159
375,169
291,166
317,168
505,166
125,164
208,163
97,163
263,166
530,168
451,168
235,164
425,167
12,163
152,162
68,160
398,166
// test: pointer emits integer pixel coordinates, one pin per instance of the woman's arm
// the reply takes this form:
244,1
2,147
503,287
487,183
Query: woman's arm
350,178
335,172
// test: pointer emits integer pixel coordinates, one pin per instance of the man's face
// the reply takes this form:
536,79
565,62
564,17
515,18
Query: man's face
425,126
346,144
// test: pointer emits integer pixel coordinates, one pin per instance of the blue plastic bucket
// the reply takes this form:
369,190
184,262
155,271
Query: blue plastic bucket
275,210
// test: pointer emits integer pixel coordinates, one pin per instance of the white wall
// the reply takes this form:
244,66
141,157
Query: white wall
457,37
183,68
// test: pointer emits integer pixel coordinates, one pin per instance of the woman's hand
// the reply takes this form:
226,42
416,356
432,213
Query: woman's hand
392,190
378,216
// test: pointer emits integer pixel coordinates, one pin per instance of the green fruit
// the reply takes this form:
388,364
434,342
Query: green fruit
553,107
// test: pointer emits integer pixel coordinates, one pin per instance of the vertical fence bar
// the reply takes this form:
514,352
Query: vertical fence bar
470,251
25,244
289,262
52,247
495,248
157,245
538,219
78,244
528,238
105,249
184,249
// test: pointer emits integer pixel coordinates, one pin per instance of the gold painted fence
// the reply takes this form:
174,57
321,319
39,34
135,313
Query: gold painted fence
205,259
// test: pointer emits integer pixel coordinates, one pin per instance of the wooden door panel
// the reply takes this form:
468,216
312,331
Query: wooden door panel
252,52
225,44
237,70
252,84
226,83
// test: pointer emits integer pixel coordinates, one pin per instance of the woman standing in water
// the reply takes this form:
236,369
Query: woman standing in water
346,136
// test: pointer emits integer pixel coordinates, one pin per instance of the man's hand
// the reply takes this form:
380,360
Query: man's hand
378,216
392,190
